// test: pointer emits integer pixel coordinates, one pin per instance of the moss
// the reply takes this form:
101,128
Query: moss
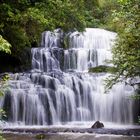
40,136
102,68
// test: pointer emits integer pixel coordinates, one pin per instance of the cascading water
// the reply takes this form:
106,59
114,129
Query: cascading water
59,89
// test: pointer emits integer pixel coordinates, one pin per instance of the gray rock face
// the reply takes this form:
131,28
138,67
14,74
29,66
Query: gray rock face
97,124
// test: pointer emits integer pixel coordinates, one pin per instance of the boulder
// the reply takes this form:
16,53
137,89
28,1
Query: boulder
97,124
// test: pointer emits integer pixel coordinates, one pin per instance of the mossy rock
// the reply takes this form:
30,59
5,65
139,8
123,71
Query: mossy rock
102,68
40,136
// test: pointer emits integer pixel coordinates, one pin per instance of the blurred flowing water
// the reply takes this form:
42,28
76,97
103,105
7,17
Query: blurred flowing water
59,90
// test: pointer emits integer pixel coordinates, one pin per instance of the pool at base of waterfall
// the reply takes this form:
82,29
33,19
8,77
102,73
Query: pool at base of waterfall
68,136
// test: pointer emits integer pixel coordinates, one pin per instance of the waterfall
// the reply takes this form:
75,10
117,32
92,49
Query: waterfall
59,89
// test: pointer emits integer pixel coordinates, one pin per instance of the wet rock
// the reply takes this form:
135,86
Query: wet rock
97,124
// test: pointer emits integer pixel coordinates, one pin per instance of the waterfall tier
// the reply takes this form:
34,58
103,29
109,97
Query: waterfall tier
59,90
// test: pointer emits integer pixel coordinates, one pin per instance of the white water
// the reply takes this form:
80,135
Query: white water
58,90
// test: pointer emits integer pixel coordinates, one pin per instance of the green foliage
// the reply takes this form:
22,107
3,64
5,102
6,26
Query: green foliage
103,68
3,86
65,14
98,12
126,52
40,136
4,45
3,83
17,38
2,113
1,138
136,97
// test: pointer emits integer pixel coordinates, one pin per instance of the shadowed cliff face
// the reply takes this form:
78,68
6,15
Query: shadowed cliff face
9,63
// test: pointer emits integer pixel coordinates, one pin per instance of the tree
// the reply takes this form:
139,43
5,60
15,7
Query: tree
98,12
126,52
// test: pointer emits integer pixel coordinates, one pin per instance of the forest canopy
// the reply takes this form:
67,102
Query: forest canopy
22,21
